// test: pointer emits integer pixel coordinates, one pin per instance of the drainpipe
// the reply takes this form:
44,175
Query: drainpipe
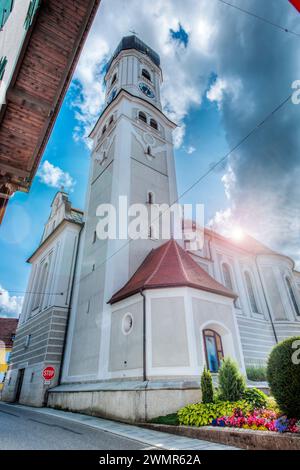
144,337
266,300
69,310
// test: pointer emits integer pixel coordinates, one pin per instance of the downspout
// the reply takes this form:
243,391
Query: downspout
145,380
144,337
69,310
266,300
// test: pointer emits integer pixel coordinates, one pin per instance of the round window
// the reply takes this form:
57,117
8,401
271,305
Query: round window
127,323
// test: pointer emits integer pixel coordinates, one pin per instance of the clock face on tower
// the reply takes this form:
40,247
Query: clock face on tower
146,90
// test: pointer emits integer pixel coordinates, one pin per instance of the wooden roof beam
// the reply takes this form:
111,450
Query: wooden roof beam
15,171
28,101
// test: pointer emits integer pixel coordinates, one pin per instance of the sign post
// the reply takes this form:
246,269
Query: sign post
48,374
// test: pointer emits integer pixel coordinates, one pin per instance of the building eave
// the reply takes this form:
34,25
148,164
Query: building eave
52,235
217,236
173,286
38,86
106,110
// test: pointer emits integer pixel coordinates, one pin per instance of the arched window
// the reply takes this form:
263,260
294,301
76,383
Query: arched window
146,74
104,129
142,116
150,197
153,124
227,276
113,79
40,287
213,349
251,293
292,295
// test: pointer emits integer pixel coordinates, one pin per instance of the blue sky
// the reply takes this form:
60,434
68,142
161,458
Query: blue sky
32,209
223,73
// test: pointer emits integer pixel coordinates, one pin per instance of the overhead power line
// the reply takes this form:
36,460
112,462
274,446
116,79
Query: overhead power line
200,179
205,174
261,18
29,292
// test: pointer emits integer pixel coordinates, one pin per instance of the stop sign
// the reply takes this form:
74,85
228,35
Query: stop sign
49,373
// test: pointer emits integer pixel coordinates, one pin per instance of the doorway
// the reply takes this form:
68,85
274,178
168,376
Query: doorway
19,384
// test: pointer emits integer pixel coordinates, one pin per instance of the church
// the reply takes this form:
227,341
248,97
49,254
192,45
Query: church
129,327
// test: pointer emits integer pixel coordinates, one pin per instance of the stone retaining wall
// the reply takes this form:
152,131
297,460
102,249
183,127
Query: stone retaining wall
242,438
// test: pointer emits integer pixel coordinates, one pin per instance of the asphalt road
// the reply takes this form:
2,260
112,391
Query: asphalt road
24,429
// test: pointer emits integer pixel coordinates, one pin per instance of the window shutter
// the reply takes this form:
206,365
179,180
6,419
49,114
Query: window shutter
5,10
32,9
3,62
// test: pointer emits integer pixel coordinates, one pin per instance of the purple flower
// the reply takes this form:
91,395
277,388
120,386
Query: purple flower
282,424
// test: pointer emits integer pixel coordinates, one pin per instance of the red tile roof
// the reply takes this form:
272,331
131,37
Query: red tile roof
170,266
8,328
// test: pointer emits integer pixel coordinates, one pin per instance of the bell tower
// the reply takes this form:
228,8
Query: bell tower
132,157
134,67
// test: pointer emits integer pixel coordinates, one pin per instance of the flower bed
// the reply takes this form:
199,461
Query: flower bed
258,420
236,415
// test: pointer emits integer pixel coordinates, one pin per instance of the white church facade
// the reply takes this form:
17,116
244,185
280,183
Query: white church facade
129,327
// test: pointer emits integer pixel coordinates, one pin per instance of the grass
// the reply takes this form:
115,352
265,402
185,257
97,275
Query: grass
171,420
257,373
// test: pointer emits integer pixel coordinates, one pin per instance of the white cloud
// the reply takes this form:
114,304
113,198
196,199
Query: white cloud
55,177
216,91
229,180
222,221
189,149
262,183
223,86
10,305
184,82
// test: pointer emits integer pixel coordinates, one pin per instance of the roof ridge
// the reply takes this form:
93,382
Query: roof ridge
180,261
167,245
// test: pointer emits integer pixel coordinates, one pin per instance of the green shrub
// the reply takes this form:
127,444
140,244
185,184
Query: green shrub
272,405
207,387
284,377
257,373
256,398
171,419
202,414
231,381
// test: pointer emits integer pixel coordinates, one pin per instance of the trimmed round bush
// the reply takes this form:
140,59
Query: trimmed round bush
283,373
256,398
207,387
231,381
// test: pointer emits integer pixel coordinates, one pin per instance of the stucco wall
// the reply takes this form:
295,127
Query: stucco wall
273,293
126,350
89,291
168,333
11,41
